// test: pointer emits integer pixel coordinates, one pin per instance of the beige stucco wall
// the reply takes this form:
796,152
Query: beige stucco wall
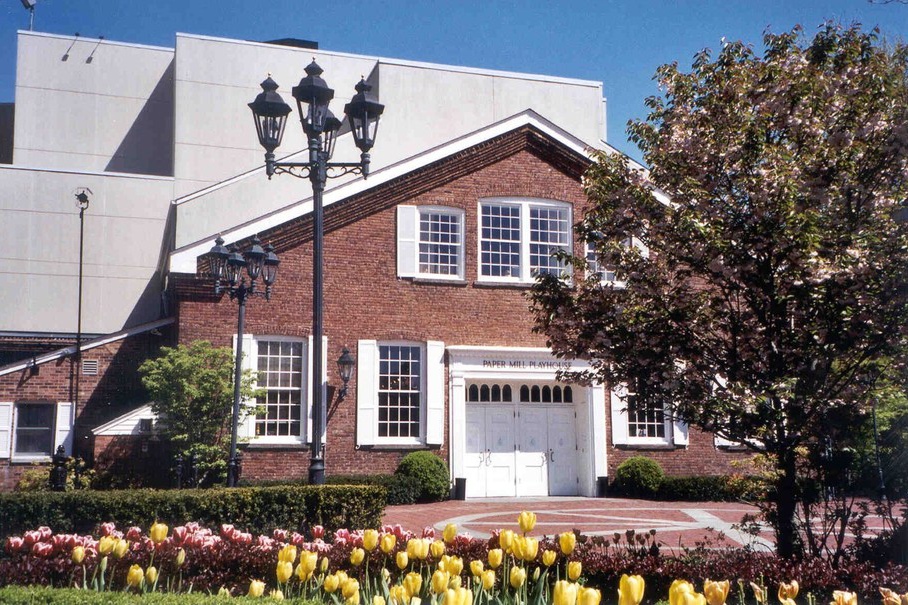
39,260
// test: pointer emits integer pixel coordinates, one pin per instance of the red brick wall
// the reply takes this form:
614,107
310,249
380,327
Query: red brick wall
364,299
699,457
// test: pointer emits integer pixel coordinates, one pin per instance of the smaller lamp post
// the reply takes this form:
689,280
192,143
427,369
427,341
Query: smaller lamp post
345,367
226,268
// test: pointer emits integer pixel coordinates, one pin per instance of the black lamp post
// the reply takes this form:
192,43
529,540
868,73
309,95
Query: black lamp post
270,112
226,268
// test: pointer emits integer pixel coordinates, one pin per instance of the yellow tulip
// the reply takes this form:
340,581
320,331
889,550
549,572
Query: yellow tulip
398,595
387,543
458,596
180,558
476,567
841,597
309,561
440,581
437,548
120,547
341,577
574,569
412,582
527,521
692,598
352,600
378,600
759,593
488,579
135,576
450,533
788,590
106,544
158,532
284,571
350,588
454,566
402,560
518,576
505,539
588,596
716,592
277,594
287,553
526,548
495,556
256,589
678,588
548,557
370,539
455,582
77,555
567,541
356,556
331,583
418,548
565,593
151,575
630,590
323,566
891,597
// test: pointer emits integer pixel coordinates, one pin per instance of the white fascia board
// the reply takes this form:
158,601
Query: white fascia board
119,175
86,346
183,260
25,32
113,427
516,75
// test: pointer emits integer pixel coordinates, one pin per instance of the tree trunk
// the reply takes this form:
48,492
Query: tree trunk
786,506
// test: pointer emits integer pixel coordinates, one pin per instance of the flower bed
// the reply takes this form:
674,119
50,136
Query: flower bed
392,567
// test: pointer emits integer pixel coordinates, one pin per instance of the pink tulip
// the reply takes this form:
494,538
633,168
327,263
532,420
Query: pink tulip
318,532
42,549
134,534
14,544
280,535
107,528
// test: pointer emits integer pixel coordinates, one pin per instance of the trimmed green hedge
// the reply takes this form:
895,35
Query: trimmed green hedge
401,489
252,509
720,488
15,595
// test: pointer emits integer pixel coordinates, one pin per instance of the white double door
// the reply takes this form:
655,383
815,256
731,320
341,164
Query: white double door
525,450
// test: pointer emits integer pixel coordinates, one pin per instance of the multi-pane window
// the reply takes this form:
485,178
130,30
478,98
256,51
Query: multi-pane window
604,272
518,237
549,231
500,237
399,391
440,242
35,429
280,374
645,420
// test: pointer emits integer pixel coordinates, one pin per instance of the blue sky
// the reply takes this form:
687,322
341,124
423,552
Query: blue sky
620,43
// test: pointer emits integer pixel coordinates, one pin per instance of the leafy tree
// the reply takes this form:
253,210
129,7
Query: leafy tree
772,300
192,395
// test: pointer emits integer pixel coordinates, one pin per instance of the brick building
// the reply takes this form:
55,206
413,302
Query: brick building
427,265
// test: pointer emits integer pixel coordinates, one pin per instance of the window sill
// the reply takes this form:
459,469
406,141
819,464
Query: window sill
437,281
517,285
44,459
397,447
648,446
275,446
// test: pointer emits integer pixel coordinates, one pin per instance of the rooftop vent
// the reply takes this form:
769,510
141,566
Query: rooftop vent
294,43
89,367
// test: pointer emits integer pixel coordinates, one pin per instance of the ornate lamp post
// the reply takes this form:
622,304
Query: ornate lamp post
227,271
270,112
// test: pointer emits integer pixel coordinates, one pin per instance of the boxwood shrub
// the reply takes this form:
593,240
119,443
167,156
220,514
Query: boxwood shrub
430,472
252,509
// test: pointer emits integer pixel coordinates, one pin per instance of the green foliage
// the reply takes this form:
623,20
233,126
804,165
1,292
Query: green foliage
37,479
771,301
191,388
38,595
639,476
430,471
401,489
251,509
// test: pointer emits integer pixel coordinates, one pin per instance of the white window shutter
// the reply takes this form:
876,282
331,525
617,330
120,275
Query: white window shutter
435,392
63,431
310,382
407,240
679,432
619,415
249,362
366,392
6,428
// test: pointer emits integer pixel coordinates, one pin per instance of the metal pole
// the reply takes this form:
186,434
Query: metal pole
881,486
82,208
318,176
233,466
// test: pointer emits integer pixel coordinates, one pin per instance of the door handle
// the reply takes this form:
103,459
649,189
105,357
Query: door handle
552,455
488,457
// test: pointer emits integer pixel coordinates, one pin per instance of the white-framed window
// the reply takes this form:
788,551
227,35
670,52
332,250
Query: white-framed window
33,430
605,273
280,365
430,242
400,393
518,236
635,424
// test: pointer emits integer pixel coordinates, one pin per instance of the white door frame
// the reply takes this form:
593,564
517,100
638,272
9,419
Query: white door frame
526,364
